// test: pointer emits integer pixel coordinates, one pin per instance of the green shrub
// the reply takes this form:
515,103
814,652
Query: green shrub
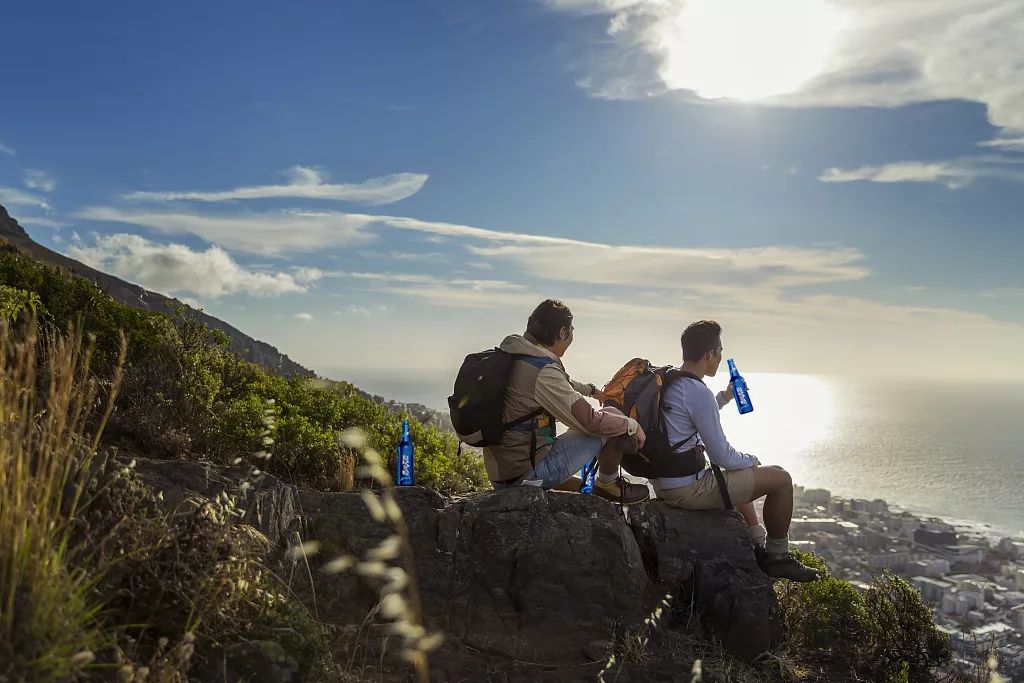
185,394
904,635
885,635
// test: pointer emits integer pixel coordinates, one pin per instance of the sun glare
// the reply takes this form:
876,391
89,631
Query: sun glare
791,413
748,49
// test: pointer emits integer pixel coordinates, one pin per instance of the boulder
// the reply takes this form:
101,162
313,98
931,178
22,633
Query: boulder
536,583
269,505
705,557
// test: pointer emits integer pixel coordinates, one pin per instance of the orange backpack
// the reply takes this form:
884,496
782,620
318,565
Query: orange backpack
636,390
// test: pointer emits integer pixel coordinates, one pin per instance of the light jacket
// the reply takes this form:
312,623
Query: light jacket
539,380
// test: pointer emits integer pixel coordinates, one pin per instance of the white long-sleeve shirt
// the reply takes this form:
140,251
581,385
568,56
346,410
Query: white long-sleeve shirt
691,407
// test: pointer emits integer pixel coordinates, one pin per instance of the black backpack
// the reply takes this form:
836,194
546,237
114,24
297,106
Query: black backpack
636,390
477,404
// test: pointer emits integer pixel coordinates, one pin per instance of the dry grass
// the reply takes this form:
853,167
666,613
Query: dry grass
48,434
388,566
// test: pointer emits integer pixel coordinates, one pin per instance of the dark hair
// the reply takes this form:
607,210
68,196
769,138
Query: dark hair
547,320
700,337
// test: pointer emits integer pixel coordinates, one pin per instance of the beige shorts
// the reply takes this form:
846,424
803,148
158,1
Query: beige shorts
703,494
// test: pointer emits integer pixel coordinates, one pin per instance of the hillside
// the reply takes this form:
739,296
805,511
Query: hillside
244,346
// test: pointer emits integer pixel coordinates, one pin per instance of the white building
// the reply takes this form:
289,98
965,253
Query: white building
1017,617
896,559
932,590
1014,547
799,527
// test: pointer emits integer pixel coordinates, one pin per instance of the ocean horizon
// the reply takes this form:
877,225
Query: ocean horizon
934,448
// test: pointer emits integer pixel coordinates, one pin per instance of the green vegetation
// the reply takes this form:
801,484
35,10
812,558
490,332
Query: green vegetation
97,582
186,395
887,634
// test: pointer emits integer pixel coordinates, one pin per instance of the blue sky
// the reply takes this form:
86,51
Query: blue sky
841,184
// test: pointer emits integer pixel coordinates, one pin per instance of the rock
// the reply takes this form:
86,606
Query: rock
517,579
707,555
270,506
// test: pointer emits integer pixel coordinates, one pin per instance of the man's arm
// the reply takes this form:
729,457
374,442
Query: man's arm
704,413
585,389
555,393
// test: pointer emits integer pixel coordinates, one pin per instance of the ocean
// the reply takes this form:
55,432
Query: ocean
951,450
943,449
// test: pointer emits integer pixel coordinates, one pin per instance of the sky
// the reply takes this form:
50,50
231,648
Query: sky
380,188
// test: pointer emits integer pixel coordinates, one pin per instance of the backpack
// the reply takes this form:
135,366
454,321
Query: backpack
636,390
478,402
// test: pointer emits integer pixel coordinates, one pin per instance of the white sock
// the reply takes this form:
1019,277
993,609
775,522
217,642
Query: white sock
777,546
606,478
758,534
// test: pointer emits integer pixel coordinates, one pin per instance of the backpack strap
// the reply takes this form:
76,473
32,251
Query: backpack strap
538,362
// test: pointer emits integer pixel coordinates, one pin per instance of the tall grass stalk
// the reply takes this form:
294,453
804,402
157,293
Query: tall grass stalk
390,563
49,432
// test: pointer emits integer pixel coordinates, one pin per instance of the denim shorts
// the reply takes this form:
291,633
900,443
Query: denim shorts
570,452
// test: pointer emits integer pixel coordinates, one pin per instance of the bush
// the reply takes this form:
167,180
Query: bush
185,394
887,634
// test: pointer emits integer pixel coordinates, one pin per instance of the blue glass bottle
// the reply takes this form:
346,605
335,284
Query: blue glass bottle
587,474
406,476
739,389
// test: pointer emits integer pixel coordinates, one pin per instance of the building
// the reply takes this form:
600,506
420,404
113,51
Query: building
800,527
894,560
972,643
932,590
959,556
1017,617
816,496
934,537
1013,547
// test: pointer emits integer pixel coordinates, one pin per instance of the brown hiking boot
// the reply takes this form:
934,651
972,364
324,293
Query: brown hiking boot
622,491
784,566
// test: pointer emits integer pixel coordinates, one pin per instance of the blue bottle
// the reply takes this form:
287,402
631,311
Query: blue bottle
739,389
587,474
406,476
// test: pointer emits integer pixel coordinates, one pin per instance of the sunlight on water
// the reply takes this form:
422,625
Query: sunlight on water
791,414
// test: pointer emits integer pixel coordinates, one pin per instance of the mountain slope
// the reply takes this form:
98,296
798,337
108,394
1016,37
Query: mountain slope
244,346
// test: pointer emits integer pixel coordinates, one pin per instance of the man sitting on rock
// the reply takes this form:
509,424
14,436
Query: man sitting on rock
529,452
690,414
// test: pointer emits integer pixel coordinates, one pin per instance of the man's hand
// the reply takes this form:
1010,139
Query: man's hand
640,436
599,395
725,395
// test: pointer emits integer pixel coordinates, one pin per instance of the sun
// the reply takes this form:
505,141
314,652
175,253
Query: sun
747,49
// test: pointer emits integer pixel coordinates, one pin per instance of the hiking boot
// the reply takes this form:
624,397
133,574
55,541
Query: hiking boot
622,491
784,566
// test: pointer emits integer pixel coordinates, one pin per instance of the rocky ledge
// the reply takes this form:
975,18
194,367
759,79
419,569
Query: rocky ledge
525,584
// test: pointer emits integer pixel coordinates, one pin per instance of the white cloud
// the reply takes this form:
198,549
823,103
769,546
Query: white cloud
305,183
812,52
268,233
553,258
42,222
303,316
40,180
701,269
13,196
954,174
176,268
4,149
1006,144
